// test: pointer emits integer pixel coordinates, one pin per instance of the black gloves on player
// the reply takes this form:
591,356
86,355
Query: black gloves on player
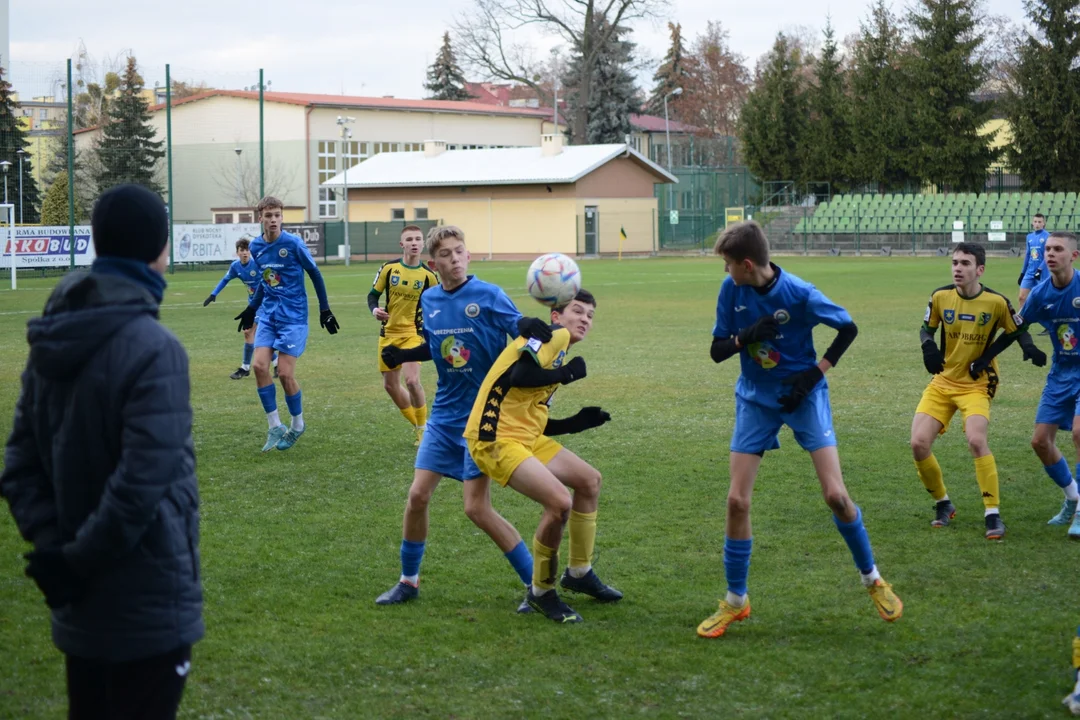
573,370
979,367
591,417
534,328
391,356
765,328
1035,355
57,580
932,358
328,321
207,301
246,318
801,384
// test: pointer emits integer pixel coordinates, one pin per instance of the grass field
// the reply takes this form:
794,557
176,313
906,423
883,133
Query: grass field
296,546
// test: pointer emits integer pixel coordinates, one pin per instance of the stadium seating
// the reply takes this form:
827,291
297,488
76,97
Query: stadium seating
898,214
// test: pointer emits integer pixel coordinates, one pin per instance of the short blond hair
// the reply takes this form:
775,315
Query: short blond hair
437,234
267,203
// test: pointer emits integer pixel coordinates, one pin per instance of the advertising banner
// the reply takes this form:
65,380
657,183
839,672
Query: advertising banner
313,237
210,243
47,246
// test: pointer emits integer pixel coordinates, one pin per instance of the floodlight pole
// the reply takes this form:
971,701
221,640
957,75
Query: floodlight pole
346,133
20,152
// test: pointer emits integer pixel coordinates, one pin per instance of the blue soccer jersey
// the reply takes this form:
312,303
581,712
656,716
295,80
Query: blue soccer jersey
1034,261
797,306
248,274
281,266
466,329
1058,310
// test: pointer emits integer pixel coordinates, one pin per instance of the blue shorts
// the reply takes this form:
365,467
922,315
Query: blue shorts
1028,282
757,427
287,338
1060,401
444,451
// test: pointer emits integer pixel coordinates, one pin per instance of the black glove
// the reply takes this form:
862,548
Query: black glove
246,318
801,385
534,328
979,367
55,577
207,301
932,358
1035,355
765,328
1020,278
1038,274
391,356
591,417
328,321
573,370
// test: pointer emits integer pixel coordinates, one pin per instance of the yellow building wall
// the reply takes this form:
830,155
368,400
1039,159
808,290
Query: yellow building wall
534,227
636,215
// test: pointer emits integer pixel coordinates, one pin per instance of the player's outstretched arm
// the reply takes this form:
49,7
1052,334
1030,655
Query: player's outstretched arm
1031,350
996,348
526,373
395,356
585,419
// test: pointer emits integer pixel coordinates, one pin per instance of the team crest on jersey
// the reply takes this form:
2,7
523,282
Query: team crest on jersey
557,362
454,352
765,355
1067,338
252,272
782,316
984,318
472,310
417,284
271,278
1076,302
949,316
283,252
394,280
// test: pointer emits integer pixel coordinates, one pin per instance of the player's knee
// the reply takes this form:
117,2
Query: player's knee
286,375
839,502
413,384
560,505
419,499
261,364
1041,443
738,504
920,446
978,446
389,381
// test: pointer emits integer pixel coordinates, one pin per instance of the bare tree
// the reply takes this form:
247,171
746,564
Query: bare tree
488,43
717,84
238,179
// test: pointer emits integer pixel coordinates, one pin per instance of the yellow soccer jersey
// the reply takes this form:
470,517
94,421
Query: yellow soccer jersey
968,327
403,285
502,412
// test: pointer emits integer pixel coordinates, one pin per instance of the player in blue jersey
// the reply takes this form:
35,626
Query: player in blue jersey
466,324
1034,268
1055,304
766,316
280,306
244,269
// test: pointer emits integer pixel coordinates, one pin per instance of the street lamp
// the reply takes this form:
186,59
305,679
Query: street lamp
239,176
20,152
667,132
6,166
346,133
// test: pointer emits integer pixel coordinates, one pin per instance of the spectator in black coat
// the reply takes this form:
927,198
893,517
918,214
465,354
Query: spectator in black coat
99,472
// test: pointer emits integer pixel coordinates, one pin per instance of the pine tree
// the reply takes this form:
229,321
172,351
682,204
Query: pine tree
946,114
882,138
672,73
54,208
58,163
612,92
772,124
1043,109
127,152
13,139
828,134
445,81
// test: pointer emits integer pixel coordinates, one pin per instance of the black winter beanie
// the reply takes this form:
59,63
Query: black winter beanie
130,221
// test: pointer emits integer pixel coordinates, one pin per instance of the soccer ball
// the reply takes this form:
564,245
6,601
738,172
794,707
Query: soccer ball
553,279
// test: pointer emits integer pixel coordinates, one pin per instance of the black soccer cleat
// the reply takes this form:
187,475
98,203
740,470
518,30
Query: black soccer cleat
552,606
995,528
524,608
591,585
401,593
944,511
240,374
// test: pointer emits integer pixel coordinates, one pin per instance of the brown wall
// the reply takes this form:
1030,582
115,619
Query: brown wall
620,178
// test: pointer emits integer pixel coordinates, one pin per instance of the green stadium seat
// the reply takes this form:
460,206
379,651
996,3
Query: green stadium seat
1070,196
1059,195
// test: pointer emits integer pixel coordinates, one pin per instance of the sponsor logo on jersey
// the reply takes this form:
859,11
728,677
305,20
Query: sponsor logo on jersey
454,352
968,317
765,355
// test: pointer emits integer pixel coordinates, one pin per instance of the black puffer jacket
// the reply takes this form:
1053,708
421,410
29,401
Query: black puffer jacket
101,462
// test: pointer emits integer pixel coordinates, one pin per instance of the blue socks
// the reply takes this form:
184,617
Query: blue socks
858,541
1059,473
411,555
737,564
296,407
521,559
268,396
249,350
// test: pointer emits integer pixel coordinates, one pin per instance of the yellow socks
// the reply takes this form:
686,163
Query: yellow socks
545,565
409,414
420,414
930,474
987,476
582,538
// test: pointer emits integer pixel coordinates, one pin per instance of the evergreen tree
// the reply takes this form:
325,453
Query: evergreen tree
612,92
127,152
445,80
13,139
54,208
945,74
828,134
1043,107
882,139
672,73
772,124
58,163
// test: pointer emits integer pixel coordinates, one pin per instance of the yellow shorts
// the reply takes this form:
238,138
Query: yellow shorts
500,458
405,343
942,404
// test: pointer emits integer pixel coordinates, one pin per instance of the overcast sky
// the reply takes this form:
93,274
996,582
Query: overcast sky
364,47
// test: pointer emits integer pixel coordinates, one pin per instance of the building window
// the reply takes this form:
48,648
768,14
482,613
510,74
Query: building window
420,214
397,213
352,152
246,217
44,114
222,218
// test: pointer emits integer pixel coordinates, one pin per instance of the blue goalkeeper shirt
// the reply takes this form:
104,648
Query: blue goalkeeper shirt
248,274
466,330
282,296
797,306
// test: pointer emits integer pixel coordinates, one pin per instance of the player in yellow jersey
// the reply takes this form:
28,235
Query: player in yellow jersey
509,437
970,314
402,320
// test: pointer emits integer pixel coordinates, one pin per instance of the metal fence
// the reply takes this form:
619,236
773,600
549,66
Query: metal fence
701,199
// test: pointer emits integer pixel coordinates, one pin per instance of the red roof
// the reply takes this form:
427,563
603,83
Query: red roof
652,123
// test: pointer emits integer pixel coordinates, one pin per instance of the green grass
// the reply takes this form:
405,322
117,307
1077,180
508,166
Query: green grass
295,546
